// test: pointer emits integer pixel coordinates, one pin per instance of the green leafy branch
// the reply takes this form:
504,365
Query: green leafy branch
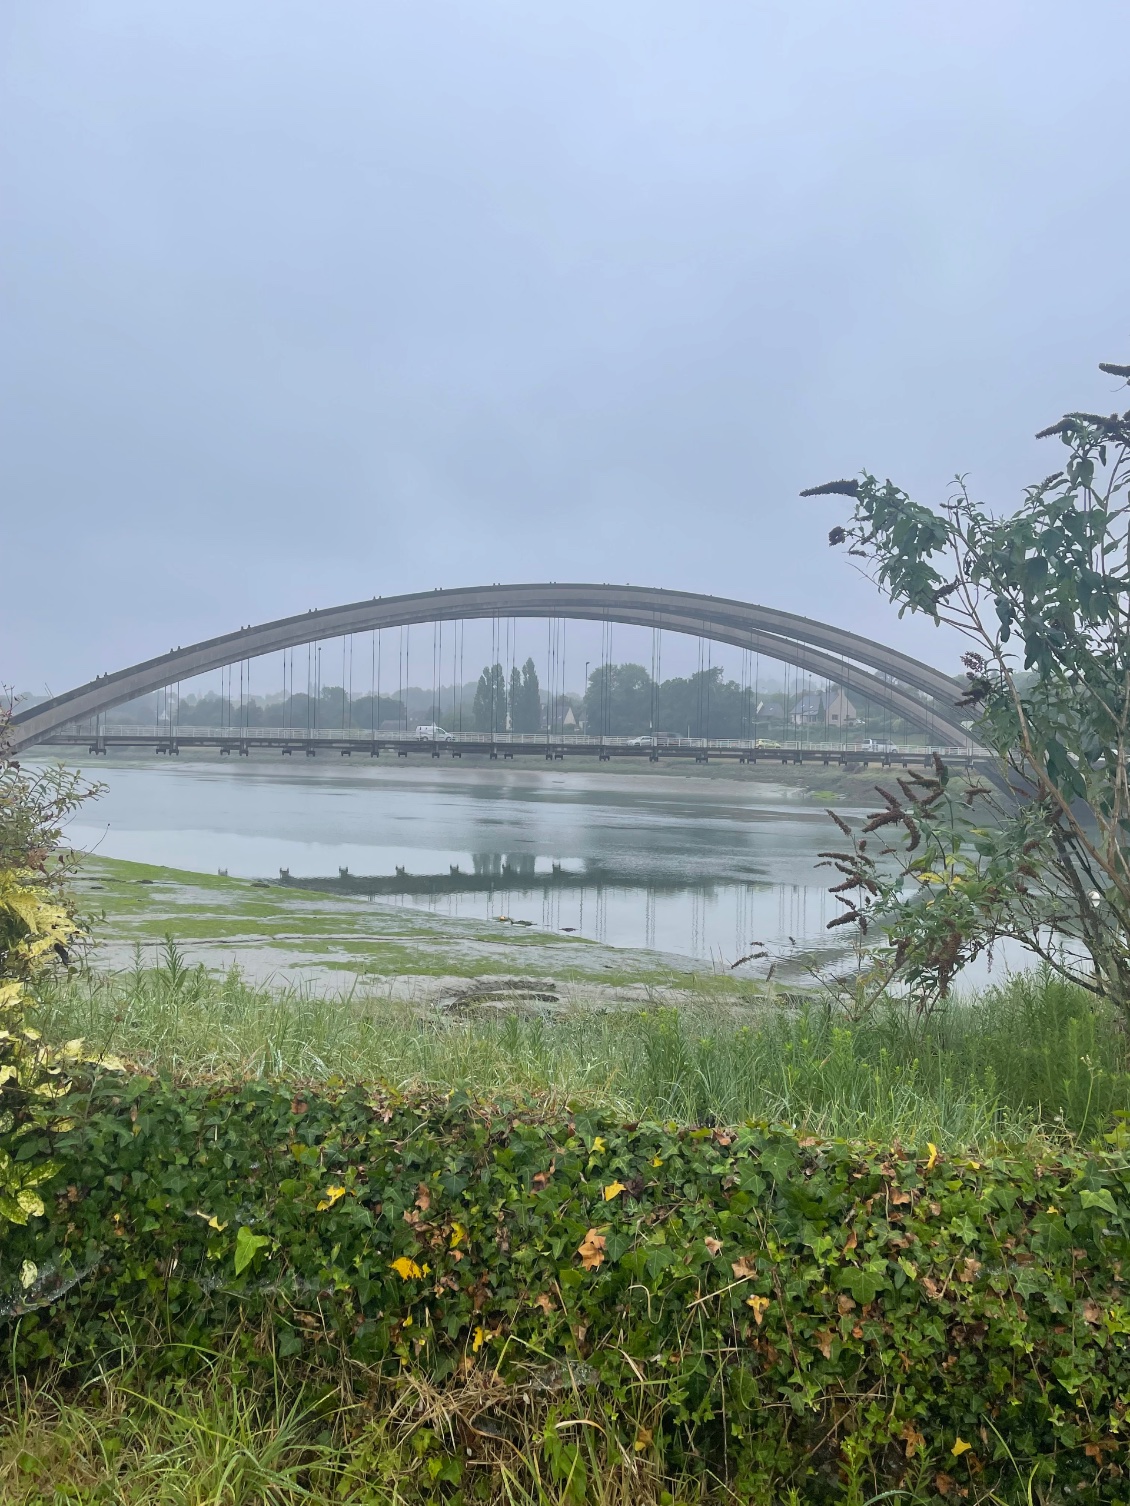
1042,597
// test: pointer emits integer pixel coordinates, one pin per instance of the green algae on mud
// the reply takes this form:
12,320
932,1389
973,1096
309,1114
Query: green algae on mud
271,932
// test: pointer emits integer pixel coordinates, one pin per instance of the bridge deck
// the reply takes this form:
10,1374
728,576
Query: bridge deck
291,741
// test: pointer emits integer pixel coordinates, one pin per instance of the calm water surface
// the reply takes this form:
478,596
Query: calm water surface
707,868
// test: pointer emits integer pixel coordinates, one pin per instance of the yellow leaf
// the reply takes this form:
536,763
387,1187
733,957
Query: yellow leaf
598,1145
330,1197
614,1189
759,1304
458,1234
212,1221
477,1342
932,1160
643,1441
960,1447
406,1268
29,1273
591,1250
657,1160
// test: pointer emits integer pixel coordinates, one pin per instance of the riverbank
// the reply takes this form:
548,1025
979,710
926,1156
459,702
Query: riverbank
291,937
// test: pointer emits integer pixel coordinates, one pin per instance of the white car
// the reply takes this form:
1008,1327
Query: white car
433,734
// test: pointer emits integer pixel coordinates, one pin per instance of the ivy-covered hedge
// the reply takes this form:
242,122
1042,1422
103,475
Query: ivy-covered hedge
761,1297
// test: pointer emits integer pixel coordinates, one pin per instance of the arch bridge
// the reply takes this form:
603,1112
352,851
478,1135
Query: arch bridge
906,686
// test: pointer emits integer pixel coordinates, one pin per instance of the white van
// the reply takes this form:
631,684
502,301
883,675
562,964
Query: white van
433,734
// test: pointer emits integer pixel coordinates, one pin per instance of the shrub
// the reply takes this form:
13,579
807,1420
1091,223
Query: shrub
770,1307
36,927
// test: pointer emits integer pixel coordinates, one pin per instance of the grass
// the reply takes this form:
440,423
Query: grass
223,1439
1032,1055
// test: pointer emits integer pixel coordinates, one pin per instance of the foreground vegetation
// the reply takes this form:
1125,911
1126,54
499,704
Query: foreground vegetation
1031,1057
755,1308
254,1282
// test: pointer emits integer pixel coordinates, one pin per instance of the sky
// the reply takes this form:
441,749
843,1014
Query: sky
306,303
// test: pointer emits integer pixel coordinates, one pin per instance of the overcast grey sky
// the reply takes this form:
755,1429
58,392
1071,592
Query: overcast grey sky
306,302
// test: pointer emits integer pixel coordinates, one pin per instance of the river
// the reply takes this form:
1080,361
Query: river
703,867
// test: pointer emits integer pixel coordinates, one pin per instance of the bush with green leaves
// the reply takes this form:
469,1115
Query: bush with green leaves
37,925
1040,853
773,1308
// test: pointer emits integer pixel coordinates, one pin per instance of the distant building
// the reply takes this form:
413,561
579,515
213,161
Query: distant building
840,711
808,710
570,722
830,709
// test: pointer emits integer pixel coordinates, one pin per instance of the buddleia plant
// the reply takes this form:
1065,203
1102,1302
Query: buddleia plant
1035,849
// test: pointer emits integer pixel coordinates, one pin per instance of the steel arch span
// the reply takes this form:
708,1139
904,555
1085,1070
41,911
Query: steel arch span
907,686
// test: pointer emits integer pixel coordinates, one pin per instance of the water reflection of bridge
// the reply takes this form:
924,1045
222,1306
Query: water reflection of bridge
517,873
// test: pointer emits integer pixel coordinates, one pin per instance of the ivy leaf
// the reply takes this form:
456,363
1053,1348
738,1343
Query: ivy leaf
759,1305
591,1250
1101,1199
863,1283
247,1246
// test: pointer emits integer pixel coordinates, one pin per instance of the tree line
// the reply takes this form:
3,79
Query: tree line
507,706
620,700
332,708
623,700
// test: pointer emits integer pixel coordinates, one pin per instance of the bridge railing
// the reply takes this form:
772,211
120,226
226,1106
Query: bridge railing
303,736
